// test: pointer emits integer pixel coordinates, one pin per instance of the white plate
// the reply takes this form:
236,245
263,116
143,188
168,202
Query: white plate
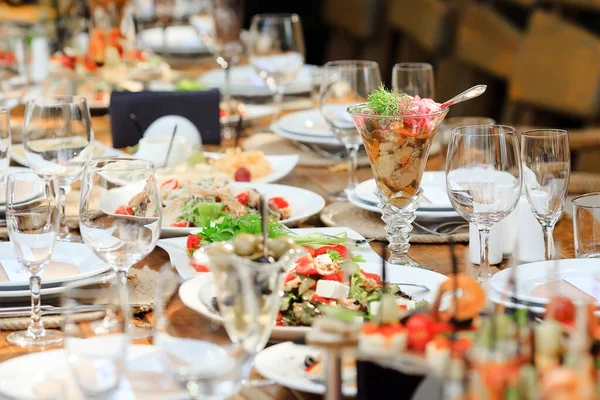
283,363
176,39
306,123
422,215
19,376
77,254
529,276
319,140
246,82
281,166
433,182
179,259
303,203
17,152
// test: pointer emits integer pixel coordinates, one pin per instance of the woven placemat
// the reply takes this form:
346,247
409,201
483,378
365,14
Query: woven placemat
141,284
370,225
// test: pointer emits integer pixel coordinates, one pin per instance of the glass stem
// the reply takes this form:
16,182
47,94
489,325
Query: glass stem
36,328
227,91
548,241
352,167
484,263
277,102
122,277
64,230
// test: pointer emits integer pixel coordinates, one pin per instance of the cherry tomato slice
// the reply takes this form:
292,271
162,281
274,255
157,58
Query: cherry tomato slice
124,210
171,184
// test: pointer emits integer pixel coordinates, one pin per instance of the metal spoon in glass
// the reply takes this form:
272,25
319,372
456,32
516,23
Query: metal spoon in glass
468,94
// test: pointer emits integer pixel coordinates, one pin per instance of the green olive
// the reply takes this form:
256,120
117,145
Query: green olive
244,244
280,246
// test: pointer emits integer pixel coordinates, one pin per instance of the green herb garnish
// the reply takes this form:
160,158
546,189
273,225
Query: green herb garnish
358,258
383,101
334,255
229,227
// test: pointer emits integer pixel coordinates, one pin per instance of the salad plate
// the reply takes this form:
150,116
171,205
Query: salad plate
70,262
17,152
283,363
578,279
281,166
306,123
246,82
45,375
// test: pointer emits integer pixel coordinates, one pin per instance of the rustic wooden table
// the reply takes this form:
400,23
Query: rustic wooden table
322,181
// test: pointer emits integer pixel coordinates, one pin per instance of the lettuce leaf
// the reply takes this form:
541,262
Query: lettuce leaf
201,212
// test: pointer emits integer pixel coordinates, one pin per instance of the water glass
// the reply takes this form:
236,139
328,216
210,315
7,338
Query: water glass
5,142
346,83
451,123
586,225
58,139
96,334
546,161
277,51
414,79
32,217
483,179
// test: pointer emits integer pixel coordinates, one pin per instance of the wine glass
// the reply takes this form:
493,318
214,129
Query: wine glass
414,79
96,346
276,52
450,123
32,218
5,142
120,214
546,161
58,138
345,83
483,178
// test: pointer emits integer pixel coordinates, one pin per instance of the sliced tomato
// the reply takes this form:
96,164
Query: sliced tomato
193,243
171,184
278,202
199,267
243,198
180,224
338,277
336,247
290,277
369,275
310,250
322,300
278,321
462,345
440,327
124,210
306,266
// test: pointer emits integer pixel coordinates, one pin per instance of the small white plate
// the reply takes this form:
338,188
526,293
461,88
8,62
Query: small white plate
433,182
246,82
422,215
176,39
306,123
303,203
23,377
281,166
76,254
17,152
319,140
530,276
283,363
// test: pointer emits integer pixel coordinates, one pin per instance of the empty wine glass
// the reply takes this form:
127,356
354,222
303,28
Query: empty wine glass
32,218
276,52
120,214
546,161
343,84
96,345
5,142
58,137
483,178
414,79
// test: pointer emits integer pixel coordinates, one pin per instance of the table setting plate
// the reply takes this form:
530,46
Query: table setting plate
75,254
27,376
330,141
281,166
246,82
17,152
305,123
181,39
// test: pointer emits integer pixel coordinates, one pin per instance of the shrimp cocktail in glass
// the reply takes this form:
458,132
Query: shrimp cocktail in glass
397,131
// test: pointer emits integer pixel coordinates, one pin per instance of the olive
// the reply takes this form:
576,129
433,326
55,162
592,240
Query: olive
309,361
215,304
280,246
244,244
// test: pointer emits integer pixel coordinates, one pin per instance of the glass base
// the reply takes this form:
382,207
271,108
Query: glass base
406,261
68,237
26,339
341,195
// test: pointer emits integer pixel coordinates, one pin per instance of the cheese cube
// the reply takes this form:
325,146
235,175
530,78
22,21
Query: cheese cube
374,305
332,289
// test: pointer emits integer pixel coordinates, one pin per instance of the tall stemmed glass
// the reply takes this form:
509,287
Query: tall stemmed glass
277,52
5,142
414,79
483,178
398,147
345,83
32,217
58,138
546,161
120,213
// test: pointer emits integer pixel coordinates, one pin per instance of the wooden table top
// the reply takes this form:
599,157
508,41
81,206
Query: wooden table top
435,256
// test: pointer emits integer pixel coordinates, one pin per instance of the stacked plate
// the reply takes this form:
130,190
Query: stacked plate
434,203
536,283
70,262
307,126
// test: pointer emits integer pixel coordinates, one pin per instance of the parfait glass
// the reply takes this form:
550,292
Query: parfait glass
277,52
413,79
546,168
483,179
58,138
345,83
397,147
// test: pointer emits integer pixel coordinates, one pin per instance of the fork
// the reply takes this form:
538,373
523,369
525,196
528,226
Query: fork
311,148
437,229
357,242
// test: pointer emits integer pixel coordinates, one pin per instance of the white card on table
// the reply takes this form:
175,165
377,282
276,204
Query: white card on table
586,284
14,270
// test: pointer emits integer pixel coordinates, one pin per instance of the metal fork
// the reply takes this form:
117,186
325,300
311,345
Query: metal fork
437,230
357,242
311,148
